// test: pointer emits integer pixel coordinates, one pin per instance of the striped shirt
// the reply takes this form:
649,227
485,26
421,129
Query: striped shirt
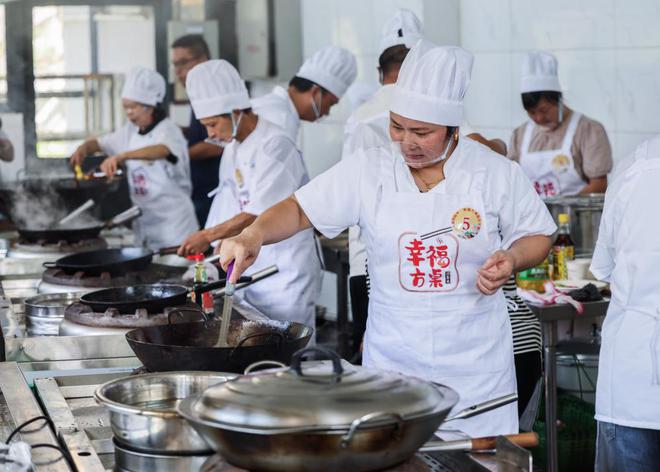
525,325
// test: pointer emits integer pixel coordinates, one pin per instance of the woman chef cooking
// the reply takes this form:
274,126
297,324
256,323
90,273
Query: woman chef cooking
445,222
156,157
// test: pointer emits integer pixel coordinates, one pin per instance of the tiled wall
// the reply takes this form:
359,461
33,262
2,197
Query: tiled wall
609,62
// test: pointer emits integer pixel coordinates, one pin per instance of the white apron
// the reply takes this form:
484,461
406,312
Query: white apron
552,172
628,388
426,316
292,293
158,188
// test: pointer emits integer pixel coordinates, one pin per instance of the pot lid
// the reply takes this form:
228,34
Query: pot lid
317,395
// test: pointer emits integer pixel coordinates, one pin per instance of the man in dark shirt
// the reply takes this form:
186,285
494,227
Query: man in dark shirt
187,52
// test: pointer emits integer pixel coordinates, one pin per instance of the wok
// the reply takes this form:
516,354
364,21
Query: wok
74,232
116,261
192,345
355,418
153,297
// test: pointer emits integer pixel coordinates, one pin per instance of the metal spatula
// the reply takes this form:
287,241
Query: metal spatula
226,307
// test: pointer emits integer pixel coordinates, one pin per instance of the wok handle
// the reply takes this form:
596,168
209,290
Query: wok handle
378,415
180,311
254,365
526,440
296,360
124,217
164,251
479,408
280,339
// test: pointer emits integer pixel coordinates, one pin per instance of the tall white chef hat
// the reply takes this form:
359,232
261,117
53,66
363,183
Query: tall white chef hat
539,73
432,83
215,88
144,86
332,67
403,28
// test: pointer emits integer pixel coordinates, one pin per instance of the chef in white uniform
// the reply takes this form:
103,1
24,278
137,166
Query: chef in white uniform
627,255
368,126
562,151
155,154
260,167
445,222
313,91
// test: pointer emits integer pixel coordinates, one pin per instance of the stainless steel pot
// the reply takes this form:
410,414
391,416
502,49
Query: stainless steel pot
321,415
44,313
585,212
143,410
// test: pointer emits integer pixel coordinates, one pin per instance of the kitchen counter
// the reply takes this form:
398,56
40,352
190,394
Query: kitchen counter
550,315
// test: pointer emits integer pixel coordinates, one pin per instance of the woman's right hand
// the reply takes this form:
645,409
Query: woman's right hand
242,249
78,156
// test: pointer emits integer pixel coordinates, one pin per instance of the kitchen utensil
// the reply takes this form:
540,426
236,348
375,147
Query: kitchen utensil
115,261
44,313
226,308
143,409
526,440
152,297
354,418
77,233
75,213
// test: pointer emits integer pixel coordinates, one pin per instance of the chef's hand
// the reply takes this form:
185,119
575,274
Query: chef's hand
196,243
495,272
243,250
78,156
111,164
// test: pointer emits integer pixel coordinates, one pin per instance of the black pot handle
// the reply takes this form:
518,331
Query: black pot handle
280,340
296,360
180,311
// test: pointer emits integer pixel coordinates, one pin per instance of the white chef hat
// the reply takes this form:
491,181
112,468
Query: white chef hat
144,86
432,83
332,67
539,73
215,88
403,28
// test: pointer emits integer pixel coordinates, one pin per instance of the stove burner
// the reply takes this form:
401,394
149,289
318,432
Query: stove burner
153,274
83,314
44,247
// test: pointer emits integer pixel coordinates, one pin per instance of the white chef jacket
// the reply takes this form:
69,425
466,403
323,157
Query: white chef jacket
159,187
278,108
627,255
513,208
367,127
255,174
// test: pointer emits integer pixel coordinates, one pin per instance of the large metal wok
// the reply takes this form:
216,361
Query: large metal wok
325,415
76,232
116,261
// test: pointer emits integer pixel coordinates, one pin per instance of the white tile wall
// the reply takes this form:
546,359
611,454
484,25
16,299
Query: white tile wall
609,62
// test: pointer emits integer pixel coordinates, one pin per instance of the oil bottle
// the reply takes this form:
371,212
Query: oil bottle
563,249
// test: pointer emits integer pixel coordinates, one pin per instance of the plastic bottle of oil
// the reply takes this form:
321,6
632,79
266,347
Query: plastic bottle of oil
563,249
535,277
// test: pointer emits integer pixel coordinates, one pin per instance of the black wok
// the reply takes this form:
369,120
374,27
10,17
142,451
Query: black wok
113,261
192,345
73,232
154,298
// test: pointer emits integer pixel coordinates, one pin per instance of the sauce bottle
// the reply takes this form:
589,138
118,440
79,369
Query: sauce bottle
563,249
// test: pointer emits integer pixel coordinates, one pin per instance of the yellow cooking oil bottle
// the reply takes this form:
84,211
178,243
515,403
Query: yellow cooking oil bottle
534,278
563,249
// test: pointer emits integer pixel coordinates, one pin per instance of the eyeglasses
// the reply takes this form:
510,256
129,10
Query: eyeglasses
181,63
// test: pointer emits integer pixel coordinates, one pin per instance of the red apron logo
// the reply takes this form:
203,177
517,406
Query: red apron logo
428,264
139,181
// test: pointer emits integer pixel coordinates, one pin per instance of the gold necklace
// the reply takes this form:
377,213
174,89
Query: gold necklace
428,185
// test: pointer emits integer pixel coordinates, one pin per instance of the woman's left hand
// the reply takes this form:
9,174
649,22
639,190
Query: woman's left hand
495,272
111,164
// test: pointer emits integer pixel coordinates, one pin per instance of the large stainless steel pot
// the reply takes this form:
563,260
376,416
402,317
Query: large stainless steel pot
143,412
321,415
44,313
585,212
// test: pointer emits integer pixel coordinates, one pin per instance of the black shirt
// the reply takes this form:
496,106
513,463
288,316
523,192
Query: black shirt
203,172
